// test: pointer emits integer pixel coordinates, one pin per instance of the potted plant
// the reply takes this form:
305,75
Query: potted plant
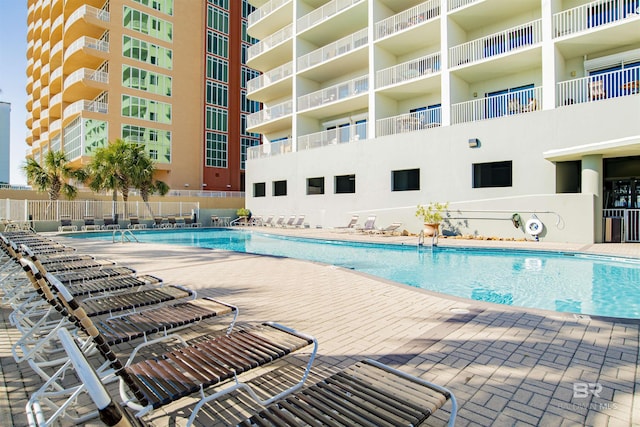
431,215
244,214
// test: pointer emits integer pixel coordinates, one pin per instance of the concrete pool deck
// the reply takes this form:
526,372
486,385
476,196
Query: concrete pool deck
505,365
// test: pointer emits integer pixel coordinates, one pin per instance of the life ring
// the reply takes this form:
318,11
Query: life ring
534,226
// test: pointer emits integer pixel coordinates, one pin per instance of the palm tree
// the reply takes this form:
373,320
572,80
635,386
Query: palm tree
53,174
142,169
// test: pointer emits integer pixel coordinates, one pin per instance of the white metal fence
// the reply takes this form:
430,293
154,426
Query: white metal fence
592,15
595,87
516,102
45,210
343,90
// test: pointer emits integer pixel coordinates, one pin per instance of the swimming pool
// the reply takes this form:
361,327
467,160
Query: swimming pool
558,281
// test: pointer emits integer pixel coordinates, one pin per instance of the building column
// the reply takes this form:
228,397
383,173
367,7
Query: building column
592,175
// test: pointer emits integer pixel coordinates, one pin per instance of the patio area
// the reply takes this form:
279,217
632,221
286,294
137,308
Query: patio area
505,365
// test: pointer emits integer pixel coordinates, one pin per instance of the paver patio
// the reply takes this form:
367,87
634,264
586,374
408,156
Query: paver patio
506,365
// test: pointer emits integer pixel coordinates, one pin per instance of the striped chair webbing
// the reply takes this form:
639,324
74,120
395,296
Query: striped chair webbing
129,300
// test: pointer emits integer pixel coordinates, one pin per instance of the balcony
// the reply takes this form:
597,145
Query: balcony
85,83
512,39
44,97
280,48
55,127
334,97
410,71
55,34
343,134
473,15
408,30
55,80
86,51
81,106
55,57
271,149
271,118
335,59
410,122
512,103
333,20
594,14
272,84
597,87
86,20
260,27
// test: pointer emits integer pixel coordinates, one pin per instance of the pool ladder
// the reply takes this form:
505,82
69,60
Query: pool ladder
125,236
434,239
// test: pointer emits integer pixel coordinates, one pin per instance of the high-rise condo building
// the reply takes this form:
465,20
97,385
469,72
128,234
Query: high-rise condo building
524,115
168,74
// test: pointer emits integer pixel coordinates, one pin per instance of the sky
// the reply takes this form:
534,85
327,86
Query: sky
13,79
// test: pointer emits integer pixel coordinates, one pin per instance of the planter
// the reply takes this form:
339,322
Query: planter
430,230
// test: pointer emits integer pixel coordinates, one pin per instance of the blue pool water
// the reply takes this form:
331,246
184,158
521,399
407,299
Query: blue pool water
565,282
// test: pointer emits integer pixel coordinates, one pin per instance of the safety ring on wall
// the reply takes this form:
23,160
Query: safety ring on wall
534,226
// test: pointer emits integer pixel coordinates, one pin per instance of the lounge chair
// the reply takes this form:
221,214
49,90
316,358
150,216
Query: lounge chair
90,224
352,223
158,222
188,222
279,222
110,223
190,369
596,90
66,224
290,221
369,225
215,220
364,393
171,222
388,230
268,222
135,224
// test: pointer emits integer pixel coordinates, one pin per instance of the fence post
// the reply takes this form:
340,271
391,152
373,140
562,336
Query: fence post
26,210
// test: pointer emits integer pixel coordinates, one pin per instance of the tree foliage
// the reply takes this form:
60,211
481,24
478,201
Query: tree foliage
53,175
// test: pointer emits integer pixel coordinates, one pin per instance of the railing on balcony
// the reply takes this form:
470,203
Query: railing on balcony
85,105
410,122
55,74
57,48
270,42
269,114
265,10
512,103
86,11
332,50
456,4
322,13
612,84
593,15
496,44
55,125
270,77
86,73
341,91
416,68
408,18
270,149
87,42
342,134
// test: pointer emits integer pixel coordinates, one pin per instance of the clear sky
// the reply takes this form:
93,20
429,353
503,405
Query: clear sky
13,78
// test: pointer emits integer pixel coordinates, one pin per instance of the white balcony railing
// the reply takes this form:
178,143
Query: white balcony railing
57,48
270,42
613,84
86,73
322,13
85,105
270,149
269,114
456,4
264,10
55,125
57,22
55,99
516,102
410,70
351,133
408,18
84,12
593,15
505,41
87,42
409,122
270,77
332,50
341,91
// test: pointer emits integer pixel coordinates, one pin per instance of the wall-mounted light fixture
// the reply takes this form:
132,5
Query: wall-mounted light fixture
186,185
475,94
474,143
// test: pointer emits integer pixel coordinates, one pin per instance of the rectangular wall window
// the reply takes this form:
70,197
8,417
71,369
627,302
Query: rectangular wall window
217,94
279,188
216,119
164,6
217,69
157,142
245,143
345,184
259,189
405,180
217,19
147,52
315,185
217,44
147,24
146,109
216,150
148,81
496,174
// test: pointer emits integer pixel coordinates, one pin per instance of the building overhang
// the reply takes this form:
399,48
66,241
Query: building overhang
621,147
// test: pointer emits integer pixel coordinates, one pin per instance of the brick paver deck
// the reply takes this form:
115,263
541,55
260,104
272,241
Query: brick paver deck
506,366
